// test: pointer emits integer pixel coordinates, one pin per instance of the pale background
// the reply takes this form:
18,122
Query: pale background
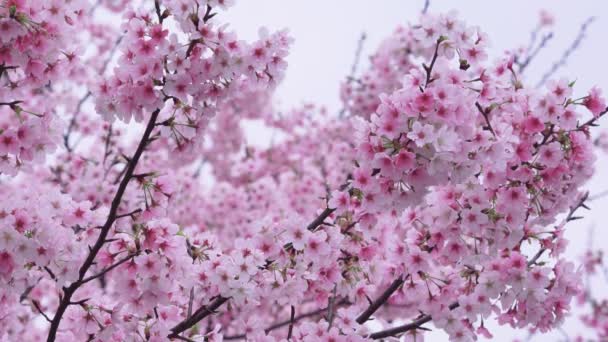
326,33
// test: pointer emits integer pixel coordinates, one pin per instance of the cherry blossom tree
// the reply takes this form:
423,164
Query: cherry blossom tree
132,207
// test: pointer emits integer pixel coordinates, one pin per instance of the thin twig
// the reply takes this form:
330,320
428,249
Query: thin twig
406,327
546,38
591,122
109,268
570,217
573,47
485,112
136,211
37,306
429,69
425,9
353,68
66,136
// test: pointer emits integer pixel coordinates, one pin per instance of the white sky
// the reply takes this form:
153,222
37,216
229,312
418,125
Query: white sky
326,34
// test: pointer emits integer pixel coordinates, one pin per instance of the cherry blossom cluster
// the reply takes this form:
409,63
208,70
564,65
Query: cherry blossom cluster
197,73
40,248
473,165
442,196
38,45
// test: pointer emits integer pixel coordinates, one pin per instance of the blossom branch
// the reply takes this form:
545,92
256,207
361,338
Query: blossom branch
72,123
376,304
429,69
66,136
39,309
197,316
319,220
427,318
406,327
289,321
69,291
205,311
111,267
591,122
485,112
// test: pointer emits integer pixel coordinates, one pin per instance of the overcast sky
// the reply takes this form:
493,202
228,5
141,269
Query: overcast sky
326,34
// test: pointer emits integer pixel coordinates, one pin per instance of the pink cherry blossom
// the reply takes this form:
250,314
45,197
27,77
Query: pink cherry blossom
441,195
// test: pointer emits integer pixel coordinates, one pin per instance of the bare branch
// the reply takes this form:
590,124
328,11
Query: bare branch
375,305
292,321
37,306
319,220
573,47
406,327
425,9
532,54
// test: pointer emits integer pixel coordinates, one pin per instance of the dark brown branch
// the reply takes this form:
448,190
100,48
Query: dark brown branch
106,149
485,112
375,305
37,306
27,291
429,69
69,291
136,211
190,302
406,327
591,122
48,270
11,104
292,321
4,67
66,136
111,267
158,12
184,338
197,316
570,217
319,220
427,318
